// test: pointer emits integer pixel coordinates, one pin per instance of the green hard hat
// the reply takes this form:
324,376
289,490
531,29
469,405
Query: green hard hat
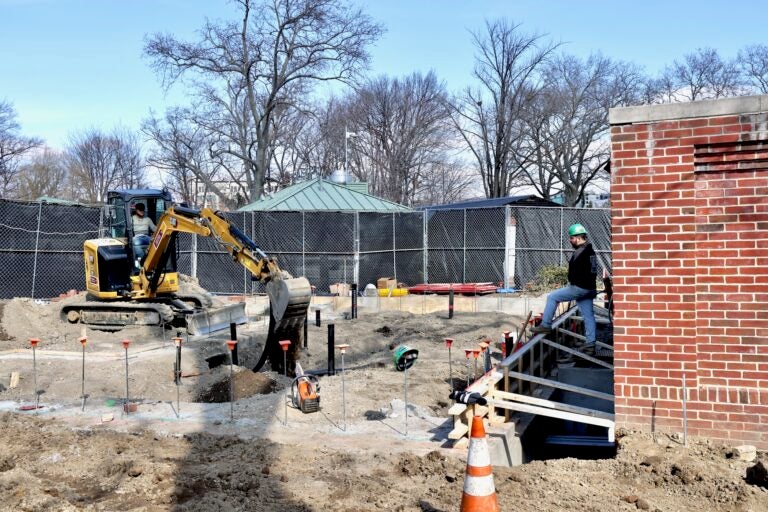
576,229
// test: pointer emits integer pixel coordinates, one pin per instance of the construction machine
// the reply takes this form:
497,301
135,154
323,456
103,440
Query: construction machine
133,280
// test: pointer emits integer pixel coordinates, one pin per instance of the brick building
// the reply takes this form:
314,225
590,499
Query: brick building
690,262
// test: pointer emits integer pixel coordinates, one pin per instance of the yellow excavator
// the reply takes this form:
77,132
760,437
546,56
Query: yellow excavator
133,280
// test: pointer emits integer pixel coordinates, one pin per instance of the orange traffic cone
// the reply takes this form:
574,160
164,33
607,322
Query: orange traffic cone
479,492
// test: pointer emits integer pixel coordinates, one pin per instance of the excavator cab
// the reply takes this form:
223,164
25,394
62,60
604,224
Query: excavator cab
111,262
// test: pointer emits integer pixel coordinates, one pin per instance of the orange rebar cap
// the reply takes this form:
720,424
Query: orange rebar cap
231,344
34,341
126,343
285,344
448,342
83,340
177,341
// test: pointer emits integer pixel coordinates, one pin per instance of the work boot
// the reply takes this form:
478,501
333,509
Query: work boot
541,329
588,349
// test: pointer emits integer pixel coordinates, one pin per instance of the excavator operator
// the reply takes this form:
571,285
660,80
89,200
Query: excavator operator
143,227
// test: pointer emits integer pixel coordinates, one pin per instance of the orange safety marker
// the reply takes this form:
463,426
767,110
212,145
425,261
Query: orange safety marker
479,493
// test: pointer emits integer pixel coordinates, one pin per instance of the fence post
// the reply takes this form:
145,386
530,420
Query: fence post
245,269
464,250
193,258
303,246
356,247
394,249
560,237
37,244
425,244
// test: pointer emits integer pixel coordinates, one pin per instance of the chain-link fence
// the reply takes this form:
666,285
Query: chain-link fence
41,246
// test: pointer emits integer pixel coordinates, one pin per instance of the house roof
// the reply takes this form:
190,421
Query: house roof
528,200
319,194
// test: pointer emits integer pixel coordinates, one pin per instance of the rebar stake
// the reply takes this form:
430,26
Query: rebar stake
405,396
475,354
34,342
231,344
83,340
285,344
177,376
127,395
467,353
448,343
343,348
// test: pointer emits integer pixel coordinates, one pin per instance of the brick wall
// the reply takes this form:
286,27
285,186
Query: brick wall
690,261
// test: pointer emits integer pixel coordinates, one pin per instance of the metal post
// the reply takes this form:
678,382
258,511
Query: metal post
34,342
231,344
464,251
177,376
37,243
285,344
425,244
353,291
193,257
356,248
331,356
448,343
343,348
83,341
450,303
405,395
317,317
303,246
394,248
127,394
233,336
685,412
306,331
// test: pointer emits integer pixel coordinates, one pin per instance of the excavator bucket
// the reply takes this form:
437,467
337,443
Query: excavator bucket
211,320
289,302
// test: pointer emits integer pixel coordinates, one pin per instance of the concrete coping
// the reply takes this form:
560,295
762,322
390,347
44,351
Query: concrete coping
693,109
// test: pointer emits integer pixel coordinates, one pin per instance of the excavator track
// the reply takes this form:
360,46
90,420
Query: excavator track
113,316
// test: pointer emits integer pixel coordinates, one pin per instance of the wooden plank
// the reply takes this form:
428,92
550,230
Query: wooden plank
514,397
457,408
458,431
565,387
579,354
554,413
14,380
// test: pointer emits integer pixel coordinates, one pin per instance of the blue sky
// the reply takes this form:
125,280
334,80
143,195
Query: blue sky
67,65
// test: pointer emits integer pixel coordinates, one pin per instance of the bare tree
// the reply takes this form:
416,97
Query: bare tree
13,147
98,162
182,151
44,175
701,75
244,72
488,115
402,126
753,61
566,143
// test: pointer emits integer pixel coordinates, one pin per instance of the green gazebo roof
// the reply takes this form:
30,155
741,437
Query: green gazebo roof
319,194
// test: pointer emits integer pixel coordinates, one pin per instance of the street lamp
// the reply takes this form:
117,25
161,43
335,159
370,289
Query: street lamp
347,135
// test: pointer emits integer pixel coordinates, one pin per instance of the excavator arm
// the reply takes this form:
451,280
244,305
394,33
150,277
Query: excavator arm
288,296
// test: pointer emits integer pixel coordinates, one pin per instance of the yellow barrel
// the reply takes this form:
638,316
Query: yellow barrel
396,292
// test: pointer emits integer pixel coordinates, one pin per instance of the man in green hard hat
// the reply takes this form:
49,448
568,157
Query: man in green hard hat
582,287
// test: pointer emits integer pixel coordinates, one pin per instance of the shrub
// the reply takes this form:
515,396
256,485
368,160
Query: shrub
548,278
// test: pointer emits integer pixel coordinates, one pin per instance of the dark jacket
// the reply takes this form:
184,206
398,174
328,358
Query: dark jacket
582,267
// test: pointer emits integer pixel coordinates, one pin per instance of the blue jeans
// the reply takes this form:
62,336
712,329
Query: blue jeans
582,297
